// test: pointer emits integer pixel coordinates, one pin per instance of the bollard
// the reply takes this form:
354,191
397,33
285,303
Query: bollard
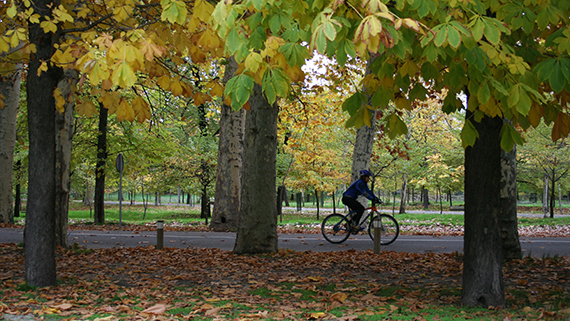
159,234
377,234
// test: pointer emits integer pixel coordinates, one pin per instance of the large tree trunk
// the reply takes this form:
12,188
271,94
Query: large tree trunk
39,236
482,267
230,152
99,200
10,89
64,136
257,231
508,210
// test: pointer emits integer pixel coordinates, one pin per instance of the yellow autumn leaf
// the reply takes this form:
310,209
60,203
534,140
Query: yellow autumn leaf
2,98
217,90
86,108
61,14
403,103
253,61
12,11
43,67
150,50
198,99
99,72
48,26
339,296
141,108
203,10
317,315
59,100
125,111
164,82
176,88
124,75
110,100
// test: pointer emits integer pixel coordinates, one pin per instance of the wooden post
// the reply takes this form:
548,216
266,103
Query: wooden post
160,234
377,225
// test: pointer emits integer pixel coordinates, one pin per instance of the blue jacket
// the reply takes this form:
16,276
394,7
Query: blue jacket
359,188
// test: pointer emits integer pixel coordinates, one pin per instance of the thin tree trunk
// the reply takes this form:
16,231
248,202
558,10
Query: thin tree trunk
317,199
552,195
39,234
545,196
404,194
257,231
10,88
508,211
482,267
99,201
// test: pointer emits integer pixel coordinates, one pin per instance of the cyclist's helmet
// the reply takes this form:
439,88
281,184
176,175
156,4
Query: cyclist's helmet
365,172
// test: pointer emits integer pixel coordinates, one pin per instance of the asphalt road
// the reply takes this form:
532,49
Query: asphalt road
536,247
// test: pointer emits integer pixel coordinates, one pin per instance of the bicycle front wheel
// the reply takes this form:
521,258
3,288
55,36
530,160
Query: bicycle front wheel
389,228
335,228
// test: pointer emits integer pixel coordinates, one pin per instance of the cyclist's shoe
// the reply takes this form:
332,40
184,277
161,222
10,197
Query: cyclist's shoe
354,230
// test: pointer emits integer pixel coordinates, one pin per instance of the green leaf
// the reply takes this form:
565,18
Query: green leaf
440,37
381,97
257,4
239,89
295,53
453,37
484,93
514,96
395,126
353,103
233,41
275,84
510,137
492,32
557,79
329,30
469,134
477,29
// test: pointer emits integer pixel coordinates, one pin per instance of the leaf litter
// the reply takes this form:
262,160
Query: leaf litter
144,283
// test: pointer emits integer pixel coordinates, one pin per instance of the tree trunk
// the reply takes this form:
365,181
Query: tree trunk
39,234
482,267
404,194
508,207
257,231
425,198
317,199
205,204
230,154
99,200
552,195
64,137
10,88
545,196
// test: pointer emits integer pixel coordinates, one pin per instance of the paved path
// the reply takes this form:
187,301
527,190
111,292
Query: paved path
536,247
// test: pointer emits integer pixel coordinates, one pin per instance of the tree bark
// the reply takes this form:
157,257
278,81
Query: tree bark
10,88
425,198
64,137
482,267
545,196
230,152
257,231
99,199
404,194
39,234
508,211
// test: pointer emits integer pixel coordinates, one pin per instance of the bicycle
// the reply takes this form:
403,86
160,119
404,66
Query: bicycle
336,228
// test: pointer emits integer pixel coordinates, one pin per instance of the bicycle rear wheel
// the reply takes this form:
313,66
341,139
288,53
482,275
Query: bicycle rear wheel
335,228
389,228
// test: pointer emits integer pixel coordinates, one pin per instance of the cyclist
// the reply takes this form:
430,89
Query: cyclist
350,196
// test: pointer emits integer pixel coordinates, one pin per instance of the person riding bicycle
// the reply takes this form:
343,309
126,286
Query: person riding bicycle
359,187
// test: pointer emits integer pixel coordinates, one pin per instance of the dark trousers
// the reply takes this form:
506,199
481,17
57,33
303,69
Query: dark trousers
354,205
